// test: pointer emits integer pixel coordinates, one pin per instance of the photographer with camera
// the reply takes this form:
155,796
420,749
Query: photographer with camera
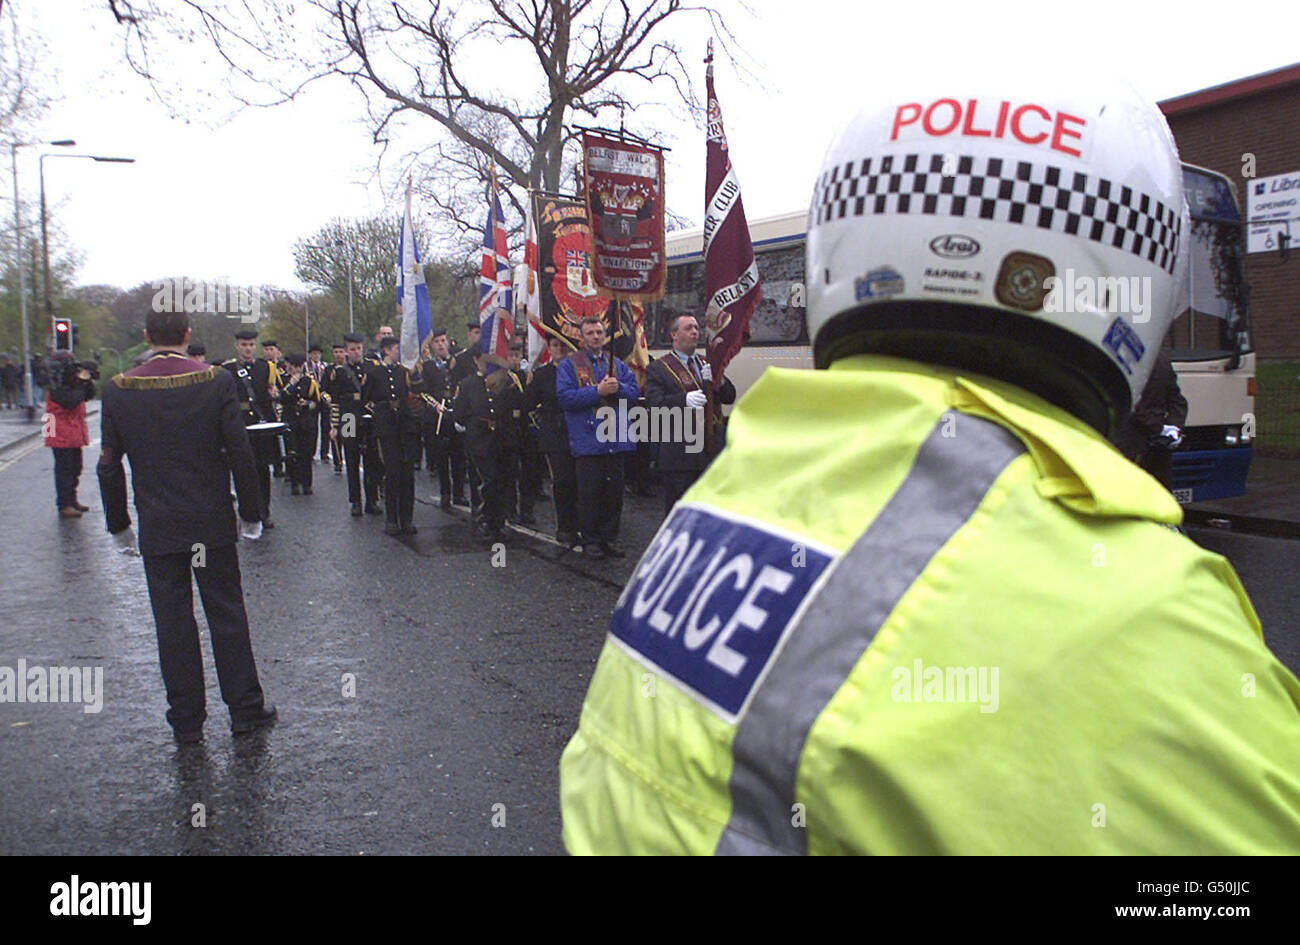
70,385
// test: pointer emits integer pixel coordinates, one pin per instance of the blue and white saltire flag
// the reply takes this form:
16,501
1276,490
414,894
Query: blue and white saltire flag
495,298
412,293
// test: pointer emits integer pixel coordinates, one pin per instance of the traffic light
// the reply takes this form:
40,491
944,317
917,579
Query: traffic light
63,334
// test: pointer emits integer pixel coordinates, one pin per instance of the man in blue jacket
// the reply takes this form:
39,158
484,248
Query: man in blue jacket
587,382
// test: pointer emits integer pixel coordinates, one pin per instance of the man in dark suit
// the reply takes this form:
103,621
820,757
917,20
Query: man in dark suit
348,427
463,366
437,425
394,398
1155,428
257,386
553,440
180,423
482,414
679,379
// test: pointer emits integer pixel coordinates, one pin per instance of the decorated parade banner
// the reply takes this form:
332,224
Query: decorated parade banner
731,280
624,184
566,291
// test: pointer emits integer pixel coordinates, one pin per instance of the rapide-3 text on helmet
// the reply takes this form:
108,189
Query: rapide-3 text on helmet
1028,227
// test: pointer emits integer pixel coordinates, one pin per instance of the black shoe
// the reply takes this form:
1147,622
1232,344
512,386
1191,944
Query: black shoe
296,490
416,467
612,552
459,500
392,528
262,719
267,523
191,737
409,529
568,539
374,508
306,490
356,510
593,551
338,470
444,503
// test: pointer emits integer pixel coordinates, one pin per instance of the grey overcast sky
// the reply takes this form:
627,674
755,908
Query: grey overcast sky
227,201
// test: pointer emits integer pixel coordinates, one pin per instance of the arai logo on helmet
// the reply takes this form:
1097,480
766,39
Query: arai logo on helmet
954,246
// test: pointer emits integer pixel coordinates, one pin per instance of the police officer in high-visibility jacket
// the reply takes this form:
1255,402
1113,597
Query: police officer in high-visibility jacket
920,604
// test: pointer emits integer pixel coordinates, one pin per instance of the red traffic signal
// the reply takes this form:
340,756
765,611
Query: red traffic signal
62,334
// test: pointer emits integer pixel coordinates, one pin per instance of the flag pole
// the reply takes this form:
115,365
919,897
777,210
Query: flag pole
710,436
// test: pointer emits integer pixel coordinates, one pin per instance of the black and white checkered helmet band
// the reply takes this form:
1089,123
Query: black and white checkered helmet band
1003,191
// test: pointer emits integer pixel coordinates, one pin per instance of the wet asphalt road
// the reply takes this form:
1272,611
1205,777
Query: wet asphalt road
469,681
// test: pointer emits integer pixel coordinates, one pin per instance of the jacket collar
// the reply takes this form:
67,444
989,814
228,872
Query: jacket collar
1076,466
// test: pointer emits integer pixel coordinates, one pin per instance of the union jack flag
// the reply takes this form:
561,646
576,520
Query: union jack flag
495,308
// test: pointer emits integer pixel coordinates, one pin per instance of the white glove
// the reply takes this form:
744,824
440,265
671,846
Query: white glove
706,371
125,540
250,530
695,399
1175,435
460,427
523,364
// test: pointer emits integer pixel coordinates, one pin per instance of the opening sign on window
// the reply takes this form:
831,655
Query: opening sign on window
1272,212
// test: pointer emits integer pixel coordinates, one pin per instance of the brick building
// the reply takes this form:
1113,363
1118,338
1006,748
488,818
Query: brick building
1216,128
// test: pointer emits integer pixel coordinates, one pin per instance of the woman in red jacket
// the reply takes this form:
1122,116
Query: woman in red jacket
65,432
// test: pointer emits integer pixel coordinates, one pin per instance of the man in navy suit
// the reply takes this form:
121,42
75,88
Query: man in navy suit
179,422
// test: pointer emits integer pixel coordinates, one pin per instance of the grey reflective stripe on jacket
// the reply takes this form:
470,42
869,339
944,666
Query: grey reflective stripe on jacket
947,482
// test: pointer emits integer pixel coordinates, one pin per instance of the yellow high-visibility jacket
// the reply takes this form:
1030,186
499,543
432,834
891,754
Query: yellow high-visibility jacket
913,610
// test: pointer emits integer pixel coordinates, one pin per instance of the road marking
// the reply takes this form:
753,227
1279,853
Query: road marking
27,452
32,449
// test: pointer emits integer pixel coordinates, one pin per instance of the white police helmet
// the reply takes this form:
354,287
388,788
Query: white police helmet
1031,228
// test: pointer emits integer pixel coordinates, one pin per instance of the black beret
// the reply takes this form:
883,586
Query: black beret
270,344
338,345
196,348
314,348
473,325
353,337
246,334
438,332
387,342
297,360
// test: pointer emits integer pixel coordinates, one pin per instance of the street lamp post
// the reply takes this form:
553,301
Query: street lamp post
341,245
22,287
45,241
351,325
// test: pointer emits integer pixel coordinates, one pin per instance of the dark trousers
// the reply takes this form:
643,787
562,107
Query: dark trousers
564,490
437,453
324,431
530,474
355,448
67,475
600,496
300,467
265,449
1156,461
675,483
399,450
489,462
222,593
461,470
